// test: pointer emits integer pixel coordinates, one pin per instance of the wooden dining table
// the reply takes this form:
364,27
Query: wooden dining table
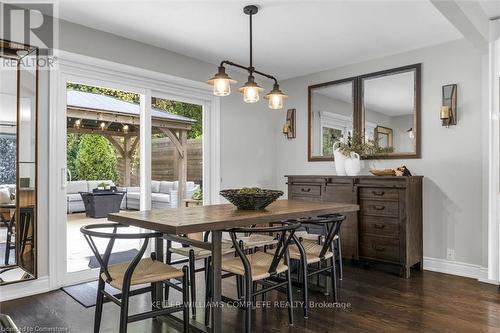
217,218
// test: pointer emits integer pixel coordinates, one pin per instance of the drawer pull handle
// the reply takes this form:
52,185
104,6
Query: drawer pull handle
378,193
379,226
378,248
376,207
306,189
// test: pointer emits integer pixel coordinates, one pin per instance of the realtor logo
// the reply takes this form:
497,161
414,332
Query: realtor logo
29,23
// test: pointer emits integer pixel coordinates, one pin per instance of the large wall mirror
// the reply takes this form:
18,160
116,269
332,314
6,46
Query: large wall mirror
331,115
18,162
383,107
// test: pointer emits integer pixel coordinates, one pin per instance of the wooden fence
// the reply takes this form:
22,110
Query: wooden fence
164,159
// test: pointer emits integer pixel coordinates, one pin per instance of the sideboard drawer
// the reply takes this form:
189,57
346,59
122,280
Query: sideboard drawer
306,190
378,193
380,208
377,225
379,248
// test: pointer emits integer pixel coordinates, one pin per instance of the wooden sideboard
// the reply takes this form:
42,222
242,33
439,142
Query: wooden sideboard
388,227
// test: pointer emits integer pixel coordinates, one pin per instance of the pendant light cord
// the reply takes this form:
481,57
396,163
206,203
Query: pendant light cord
251,46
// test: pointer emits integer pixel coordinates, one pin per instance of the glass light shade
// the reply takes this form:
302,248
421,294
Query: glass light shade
275,101
221,82
275,98
250,90
250,94
222,87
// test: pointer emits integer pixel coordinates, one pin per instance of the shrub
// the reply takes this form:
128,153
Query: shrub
96,159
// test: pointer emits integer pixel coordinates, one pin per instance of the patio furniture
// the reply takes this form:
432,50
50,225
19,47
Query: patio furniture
192,202
217,218
73,189
98,205
161,194
164,194
139,271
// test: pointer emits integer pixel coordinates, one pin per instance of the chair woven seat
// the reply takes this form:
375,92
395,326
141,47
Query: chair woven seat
255,240
312,249
200,253
259,265
146,271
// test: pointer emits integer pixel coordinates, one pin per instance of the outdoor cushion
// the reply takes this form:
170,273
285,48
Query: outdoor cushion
5,196
155,186
160,197
92,184
74,197
77,186
166,187
189,186
133,195
133,189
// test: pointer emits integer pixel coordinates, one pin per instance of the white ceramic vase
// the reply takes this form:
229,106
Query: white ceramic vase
353,165
339,160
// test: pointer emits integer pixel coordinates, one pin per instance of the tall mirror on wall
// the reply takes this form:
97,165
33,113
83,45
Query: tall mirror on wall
383,108
390,111
331,116
18,161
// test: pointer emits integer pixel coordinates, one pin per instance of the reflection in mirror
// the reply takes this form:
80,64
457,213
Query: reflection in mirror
389,106
18,97
331,116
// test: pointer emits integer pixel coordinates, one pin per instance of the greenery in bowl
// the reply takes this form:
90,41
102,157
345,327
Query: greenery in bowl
198,195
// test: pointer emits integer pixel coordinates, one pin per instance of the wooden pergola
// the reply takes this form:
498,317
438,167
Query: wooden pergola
89,113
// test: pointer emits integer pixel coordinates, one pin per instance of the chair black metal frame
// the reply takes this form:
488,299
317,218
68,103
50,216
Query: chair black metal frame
123,300
9,245
284,233
191,261
332,225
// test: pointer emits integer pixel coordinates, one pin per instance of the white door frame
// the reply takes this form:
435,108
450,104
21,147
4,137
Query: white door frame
92,71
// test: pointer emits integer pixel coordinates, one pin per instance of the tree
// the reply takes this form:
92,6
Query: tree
96,159
8,160
72,143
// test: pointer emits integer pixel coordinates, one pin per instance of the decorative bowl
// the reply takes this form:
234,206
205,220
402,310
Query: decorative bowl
251,201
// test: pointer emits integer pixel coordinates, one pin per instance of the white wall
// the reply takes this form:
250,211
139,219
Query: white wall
451,158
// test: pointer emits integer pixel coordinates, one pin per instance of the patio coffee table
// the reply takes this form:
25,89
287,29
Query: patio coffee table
98,205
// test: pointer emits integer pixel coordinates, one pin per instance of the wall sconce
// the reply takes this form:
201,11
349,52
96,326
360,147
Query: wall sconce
289,126
448,112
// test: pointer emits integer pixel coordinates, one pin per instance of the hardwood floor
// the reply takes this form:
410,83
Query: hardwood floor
375,302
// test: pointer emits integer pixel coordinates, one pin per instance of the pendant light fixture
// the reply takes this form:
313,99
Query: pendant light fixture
251,90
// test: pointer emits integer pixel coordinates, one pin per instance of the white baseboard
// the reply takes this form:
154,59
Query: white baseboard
23,289
458,268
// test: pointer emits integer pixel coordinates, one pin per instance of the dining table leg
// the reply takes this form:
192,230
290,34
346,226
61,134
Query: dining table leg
216,281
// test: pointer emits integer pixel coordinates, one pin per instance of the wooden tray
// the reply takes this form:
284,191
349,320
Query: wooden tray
383,172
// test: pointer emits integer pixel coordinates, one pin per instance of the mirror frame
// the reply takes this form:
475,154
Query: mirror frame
358,115
34,274
355,114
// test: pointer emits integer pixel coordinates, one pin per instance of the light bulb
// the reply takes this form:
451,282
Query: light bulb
250,94
222,87
275,101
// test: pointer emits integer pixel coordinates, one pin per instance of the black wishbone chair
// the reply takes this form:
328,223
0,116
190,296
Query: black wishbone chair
309,252
259,266
139,271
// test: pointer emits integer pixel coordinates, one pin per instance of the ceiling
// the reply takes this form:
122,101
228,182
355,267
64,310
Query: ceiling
391,95
291,38
491,8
